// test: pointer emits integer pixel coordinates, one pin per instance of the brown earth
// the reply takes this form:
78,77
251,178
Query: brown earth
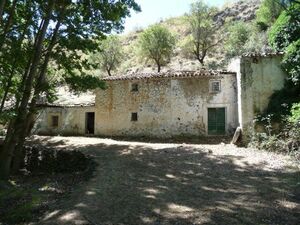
148,183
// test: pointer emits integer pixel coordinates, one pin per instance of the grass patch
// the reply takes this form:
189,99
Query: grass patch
17,204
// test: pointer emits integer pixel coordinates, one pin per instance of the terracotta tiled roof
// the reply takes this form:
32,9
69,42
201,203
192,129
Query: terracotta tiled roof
263,54
169,74
52,105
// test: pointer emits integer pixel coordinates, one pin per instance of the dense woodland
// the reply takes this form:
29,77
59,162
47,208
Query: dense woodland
48,44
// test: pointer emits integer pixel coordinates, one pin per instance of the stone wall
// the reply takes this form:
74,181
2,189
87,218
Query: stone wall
71,120
258,78
165,106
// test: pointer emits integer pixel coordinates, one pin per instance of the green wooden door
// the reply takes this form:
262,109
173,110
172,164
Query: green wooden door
216,121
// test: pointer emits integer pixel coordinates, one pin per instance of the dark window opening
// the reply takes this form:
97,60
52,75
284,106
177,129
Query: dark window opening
54,121
134,87
134,116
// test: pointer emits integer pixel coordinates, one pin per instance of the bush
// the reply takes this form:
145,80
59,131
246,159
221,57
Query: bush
295,113
286,29
291,62
286,141
47,160
268,12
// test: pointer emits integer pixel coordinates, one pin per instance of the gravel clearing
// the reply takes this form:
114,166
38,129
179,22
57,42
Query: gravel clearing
154,183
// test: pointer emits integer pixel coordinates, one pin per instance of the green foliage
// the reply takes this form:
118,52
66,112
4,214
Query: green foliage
157,43
286,139
280,104
268,12
239,33
257,42
203,31
291,62
295,113
110,54
285,36
286,29
25,204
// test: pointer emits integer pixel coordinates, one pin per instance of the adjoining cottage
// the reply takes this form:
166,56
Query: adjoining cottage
173,103
258,77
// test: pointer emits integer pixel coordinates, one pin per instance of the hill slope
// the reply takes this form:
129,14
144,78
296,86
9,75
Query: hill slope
243,10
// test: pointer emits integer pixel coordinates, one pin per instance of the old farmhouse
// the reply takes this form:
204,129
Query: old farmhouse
173,103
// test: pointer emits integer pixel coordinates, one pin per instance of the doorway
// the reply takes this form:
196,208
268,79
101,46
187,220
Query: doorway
216,121
90,123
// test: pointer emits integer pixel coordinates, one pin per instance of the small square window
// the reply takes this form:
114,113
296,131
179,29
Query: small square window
134,87
134,116
54,121
215,86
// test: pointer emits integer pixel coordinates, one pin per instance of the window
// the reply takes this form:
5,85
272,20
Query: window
134,87
215,86
134,116
54,121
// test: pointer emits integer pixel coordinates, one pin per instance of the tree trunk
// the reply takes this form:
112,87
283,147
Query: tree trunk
6,90
158,65
9,82
19,156
2,3
108,72
13,136
9,22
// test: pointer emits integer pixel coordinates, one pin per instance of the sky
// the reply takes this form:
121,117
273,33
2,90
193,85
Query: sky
155,10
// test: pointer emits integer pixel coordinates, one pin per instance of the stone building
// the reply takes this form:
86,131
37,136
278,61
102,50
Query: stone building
258,77
174,103
191,103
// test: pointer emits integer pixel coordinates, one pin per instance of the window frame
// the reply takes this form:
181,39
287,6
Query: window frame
211,86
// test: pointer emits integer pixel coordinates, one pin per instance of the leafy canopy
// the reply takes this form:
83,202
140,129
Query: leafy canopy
285,36
203,30
110,54
157,43
268,12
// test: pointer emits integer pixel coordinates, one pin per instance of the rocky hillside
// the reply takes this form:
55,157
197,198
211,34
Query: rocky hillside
242,10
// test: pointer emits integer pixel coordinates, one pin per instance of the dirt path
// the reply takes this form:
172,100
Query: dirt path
141,183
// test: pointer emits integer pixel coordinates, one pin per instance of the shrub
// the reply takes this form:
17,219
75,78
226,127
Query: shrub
286,141
291,62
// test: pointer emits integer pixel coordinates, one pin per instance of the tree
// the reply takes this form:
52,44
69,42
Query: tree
110,54
285,36
268,12
238,35
37,33
204,31
157,44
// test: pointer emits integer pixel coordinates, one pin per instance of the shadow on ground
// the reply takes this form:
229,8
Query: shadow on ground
136,184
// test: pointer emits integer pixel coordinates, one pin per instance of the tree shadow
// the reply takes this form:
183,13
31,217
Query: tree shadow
136,184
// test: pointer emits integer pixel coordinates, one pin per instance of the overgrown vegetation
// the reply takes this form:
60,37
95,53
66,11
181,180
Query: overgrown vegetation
284,105
285,36
283,138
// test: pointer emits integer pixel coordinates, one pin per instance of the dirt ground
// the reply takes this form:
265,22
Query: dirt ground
148,183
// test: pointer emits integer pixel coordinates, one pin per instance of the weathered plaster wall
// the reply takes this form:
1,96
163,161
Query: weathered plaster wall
165,107
258,78
72,120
